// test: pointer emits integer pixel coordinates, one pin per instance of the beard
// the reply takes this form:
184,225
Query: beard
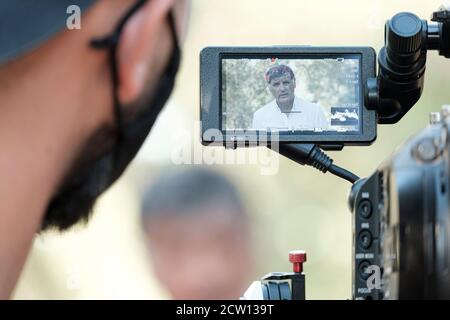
100,162
78,191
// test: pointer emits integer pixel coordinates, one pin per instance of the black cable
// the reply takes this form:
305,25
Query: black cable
342,173
312,155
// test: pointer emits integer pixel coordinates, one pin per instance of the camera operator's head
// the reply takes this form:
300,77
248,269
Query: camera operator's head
197,232
281,82
82,82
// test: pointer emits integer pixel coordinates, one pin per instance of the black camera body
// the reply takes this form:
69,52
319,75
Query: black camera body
402,221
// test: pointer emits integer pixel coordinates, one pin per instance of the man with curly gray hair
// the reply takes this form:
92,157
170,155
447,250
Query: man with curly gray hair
287,111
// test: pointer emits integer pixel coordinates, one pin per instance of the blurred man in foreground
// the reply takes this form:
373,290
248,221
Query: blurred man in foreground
197,232
75,106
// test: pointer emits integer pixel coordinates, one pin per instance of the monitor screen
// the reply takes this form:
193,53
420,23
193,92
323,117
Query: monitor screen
313,93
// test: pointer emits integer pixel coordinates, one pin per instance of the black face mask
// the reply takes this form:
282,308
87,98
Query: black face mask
89,178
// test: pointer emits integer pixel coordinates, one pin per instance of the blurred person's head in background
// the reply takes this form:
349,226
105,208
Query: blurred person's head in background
82,82
198,235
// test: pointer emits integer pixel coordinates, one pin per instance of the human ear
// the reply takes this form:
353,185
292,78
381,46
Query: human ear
143,48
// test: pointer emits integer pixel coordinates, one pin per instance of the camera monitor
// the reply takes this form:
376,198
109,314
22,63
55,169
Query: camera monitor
303,94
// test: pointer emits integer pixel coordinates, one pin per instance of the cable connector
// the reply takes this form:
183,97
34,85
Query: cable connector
312,155
319,160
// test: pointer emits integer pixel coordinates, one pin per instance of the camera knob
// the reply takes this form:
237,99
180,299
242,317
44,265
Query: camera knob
297,258
404,33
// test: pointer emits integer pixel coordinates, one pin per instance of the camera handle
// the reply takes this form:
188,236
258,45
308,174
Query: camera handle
402,61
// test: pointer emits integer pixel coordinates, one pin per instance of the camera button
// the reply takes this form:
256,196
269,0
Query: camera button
362,268
365,209
365,239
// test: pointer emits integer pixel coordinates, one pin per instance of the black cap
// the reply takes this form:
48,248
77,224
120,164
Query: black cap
26,24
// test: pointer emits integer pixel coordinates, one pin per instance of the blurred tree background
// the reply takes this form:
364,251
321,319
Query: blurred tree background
295,208
245,89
